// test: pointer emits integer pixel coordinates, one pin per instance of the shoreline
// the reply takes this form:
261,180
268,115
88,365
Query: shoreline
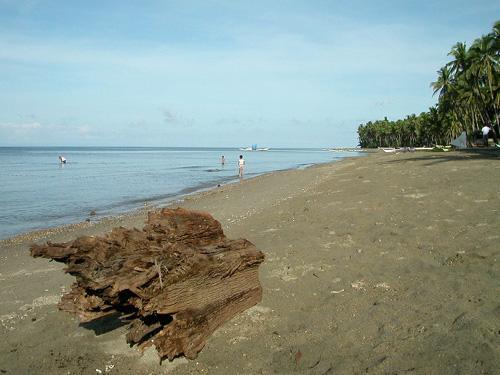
86,191
383,264
140,212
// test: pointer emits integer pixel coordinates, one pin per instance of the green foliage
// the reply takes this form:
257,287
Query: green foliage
413,131
469,97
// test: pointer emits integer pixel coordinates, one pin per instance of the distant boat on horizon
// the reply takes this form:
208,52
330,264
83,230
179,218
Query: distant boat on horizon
254,148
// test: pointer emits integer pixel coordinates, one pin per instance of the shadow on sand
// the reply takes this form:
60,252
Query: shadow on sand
105,324
441,157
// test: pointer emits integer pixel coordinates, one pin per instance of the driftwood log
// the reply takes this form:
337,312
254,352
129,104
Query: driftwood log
175,281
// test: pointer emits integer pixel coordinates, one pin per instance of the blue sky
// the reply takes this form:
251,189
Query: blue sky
221,73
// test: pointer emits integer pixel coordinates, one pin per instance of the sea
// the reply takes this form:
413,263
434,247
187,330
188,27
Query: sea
38,192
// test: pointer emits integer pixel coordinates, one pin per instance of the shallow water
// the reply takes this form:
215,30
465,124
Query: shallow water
37,192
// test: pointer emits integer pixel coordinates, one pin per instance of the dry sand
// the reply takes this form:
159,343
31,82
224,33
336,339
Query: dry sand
382,264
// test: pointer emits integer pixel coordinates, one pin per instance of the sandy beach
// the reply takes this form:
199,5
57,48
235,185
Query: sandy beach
387,263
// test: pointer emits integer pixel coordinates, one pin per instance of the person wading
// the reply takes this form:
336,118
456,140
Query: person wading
241,166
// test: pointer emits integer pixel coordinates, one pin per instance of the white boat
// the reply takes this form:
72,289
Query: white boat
254,148
387,149
401,149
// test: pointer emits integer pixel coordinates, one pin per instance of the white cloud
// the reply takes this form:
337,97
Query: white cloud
32,131
173,118
21,126
84,131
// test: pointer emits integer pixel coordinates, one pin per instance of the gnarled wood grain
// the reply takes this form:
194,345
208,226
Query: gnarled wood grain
175,281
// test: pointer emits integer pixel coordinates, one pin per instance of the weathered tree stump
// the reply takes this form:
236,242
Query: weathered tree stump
175,281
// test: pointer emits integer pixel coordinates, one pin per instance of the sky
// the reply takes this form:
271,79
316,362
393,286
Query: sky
221,73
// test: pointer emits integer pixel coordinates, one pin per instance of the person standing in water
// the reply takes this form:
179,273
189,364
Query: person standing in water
62,159
222,160
241,165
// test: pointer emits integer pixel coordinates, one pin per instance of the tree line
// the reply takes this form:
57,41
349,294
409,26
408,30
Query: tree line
468,98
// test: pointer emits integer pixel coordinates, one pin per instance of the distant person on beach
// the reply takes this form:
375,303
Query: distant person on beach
241,166
62,159
486,133
487,129
222,160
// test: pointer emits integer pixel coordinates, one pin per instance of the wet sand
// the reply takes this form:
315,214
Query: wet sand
381,264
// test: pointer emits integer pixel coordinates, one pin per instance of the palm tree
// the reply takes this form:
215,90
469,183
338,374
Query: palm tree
444,82
461,61
485,59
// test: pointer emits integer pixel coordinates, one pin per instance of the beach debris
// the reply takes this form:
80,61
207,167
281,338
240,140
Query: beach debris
298,357
108,368
383,285
174,282
336,291
358,285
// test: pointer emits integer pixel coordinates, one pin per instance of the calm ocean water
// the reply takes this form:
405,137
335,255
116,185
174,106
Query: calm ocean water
37,192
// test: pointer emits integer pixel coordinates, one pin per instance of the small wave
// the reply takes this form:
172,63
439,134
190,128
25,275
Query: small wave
191,167
304,165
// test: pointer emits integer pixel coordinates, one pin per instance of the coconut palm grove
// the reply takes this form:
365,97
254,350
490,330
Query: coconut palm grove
468,98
